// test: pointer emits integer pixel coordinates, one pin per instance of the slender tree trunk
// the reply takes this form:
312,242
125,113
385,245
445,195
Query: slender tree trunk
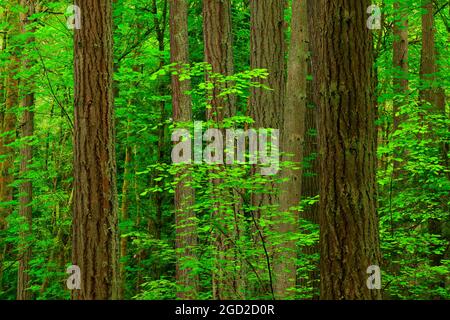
293,137
186,236
400,59
428,54
160,28
267,51
26,153
95,236
2,115
435,96
8,129
348,219
2,72
125,215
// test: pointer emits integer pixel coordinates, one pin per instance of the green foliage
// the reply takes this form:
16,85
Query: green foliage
412,176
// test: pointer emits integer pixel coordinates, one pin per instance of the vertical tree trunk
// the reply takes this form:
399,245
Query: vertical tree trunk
218,49
348,219
186,237
2,115
160,26
428,54
218,42
292,144
310,178
8,129
310,184
124,216
2,72
26,153
95,237
435,96
267,51
400,59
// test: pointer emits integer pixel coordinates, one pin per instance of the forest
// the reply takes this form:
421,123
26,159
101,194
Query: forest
224,150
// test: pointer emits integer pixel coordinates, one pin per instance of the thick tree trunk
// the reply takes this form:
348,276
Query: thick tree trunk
218,49
293,137
310,178
186,237
95,236
310,187
26,153
267,51
348,219
218,42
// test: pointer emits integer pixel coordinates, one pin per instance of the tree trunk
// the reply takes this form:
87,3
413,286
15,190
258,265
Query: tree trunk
125,215
26,153
2,115
8,129
267,23
428,54
435,96
400,59
348,219
218,49
267,51
95,236
218,42
186,236
293,137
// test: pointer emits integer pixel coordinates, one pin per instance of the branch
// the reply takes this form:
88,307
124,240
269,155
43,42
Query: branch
52,91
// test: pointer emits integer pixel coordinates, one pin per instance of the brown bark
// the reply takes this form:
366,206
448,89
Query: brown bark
267,51
218,43
293,136
310,178
435,96
2,114
186,237
400,60
9,128
2,72
348,220
310,188
26,153
218,49
428,54
95,236
160,28
125,216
